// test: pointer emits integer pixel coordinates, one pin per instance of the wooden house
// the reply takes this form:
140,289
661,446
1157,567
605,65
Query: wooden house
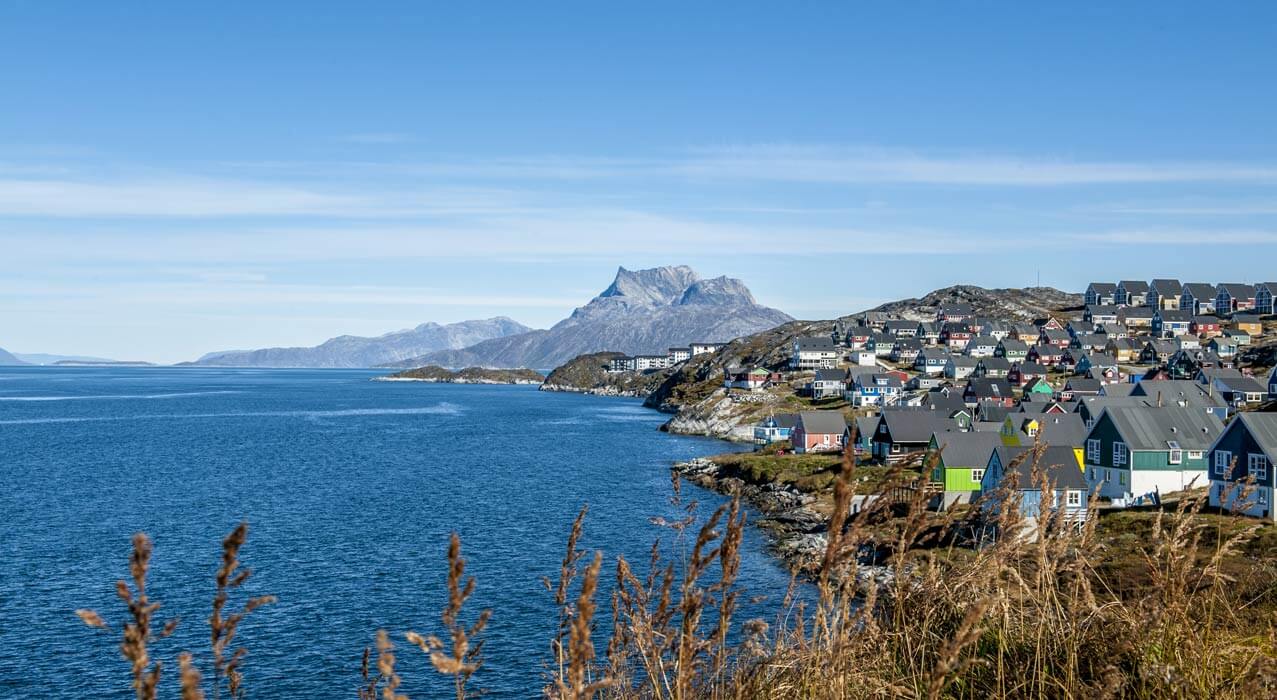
819,431
1132,293
960,460
1232,297
1136,450
1265,293
1041,479
1245,451
1164,294
1100,293
1198,298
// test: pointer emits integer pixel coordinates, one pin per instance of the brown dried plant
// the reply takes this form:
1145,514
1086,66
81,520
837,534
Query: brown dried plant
466,655
222,628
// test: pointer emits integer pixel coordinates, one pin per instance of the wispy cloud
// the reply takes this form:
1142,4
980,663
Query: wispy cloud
1180,237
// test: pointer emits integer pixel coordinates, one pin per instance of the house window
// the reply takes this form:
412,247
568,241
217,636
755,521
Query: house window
1119,453
1222,459
895,448
977,475
1108,475
1257,465
1073,499
1121,478
1176,457
1093,451
1194,454
1263,497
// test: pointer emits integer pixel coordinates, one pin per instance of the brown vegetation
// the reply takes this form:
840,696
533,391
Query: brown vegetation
1027,615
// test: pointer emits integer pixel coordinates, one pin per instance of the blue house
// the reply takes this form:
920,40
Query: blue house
1022,469
775,428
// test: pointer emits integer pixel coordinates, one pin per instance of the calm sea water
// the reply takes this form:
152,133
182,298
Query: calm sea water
351,488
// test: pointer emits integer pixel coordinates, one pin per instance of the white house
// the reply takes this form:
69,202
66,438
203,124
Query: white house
817,352
1133,450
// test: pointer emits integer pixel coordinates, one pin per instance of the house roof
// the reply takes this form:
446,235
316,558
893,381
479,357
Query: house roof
1176,391
990,387
1151,428
979,340
1056,463
1104,309
785,420
907,425
1238,290
831,375
1136,312
1167,287
966,449
1134,286
1175,315
815,343
1243,385
1030,368
1103,287
1066,429
1117,389
1200,290
821,422
1263,428
1083,384
963,361
866,425
1014,344
1000,363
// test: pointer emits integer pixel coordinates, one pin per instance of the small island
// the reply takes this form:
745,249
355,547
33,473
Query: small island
469,375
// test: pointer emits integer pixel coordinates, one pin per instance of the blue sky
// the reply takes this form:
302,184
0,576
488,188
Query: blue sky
177,178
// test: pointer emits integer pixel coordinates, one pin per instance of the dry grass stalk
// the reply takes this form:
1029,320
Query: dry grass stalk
190,677
466,656
222,628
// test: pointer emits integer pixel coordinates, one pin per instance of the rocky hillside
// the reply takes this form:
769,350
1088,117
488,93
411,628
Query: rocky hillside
358,351
1010,304
8,359
469,375
587,374
641,312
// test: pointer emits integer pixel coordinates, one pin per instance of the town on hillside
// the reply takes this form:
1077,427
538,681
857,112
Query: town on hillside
1146,391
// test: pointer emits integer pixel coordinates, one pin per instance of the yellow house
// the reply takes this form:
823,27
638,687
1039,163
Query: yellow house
1250,326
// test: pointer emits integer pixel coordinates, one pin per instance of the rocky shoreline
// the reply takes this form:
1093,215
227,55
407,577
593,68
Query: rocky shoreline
458,380
797,533
611,391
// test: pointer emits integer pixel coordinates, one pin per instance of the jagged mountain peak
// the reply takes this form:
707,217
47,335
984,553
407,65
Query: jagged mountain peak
656,285
718,291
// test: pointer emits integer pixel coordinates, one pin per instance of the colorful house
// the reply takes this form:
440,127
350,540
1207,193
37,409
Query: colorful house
960,460
1024,471
1136,450
819,431
1245,451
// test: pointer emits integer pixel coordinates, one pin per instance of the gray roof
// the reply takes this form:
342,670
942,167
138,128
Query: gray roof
819,422
831,375
1082,384
1200,290
1057,464
815,343
1145,428
995,363
1134,286
915,425
1174,391
1167,287
1103,287
1237,290
786,420
1014,344
1179,315
964,361
1244,385
966,449
1123,389
1262,427
1062,429
866,425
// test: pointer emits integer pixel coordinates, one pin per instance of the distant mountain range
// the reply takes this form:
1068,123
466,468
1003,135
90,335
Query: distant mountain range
7,359
358,351
44,358
641,312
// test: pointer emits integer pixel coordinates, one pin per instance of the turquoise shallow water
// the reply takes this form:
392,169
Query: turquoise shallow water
351,488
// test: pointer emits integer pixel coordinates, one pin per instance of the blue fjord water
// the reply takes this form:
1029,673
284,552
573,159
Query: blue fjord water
350,487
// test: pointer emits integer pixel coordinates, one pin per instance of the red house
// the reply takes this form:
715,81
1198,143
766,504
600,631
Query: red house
819,431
